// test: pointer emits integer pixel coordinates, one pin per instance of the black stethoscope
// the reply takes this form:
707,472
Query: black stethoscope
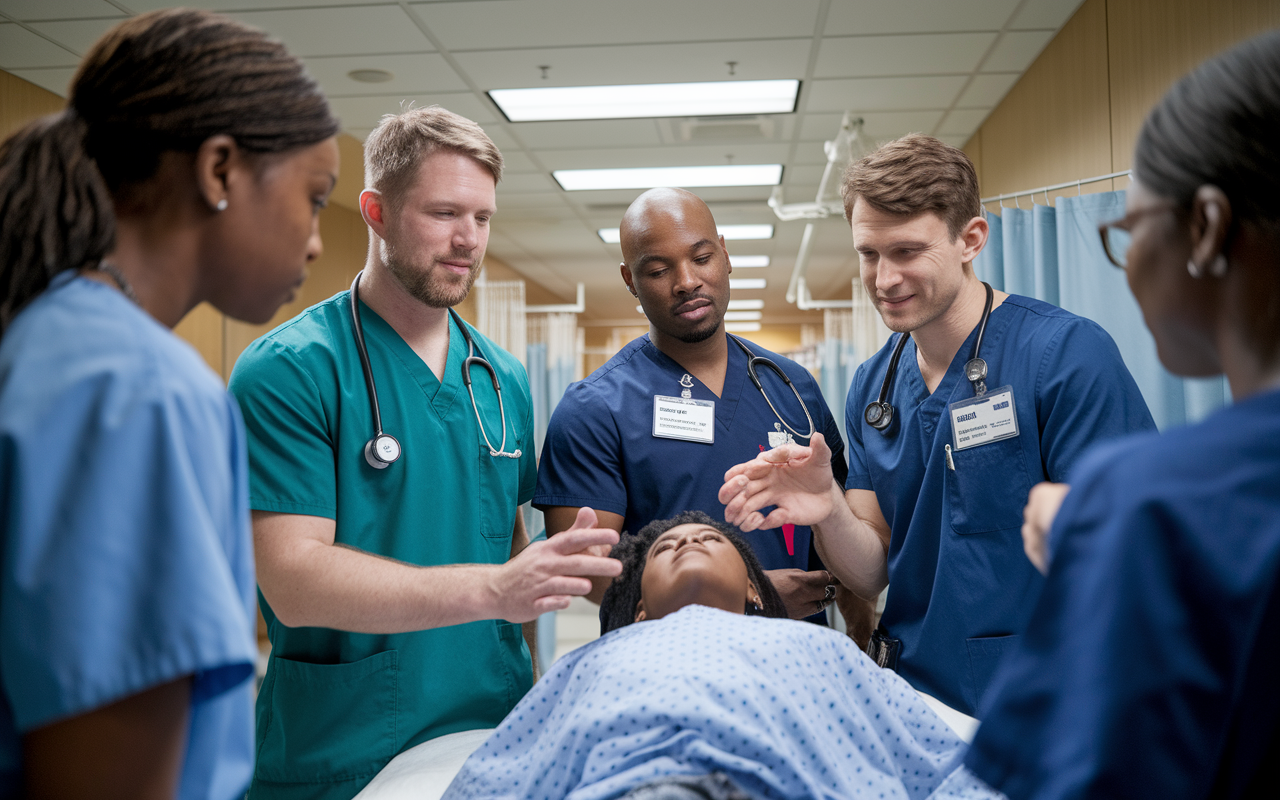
879,414
753,361
383,449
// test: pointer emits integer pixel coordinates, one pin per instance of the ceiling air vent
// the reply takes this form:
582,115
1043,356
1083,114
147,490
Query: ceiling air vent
720,129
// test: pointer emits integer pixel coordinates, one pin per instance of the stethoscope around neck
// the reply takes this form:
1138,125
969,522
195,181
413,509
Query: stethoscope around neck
879,414
384,449
753,361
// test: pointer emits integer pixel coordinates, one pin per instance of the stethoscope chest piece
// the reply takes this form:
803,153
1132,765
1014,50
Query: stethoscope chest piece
878,415
382,451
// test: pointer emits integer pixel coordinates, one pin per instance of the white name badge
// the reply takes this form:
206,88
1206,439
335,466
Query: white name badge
680,418
986,419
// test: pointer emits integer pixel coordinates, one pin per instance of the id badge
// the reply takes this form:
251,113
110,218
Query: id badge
982,420
683,418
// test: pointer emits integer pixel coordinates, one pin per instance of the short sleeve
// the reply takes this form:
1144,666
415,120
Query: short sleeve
859,476
128,562
1084,395
291,450
580,463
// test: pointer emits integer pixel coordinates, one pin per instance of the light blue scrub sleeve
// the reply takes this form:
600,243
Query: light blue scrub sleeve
125,529
291,460
1084,396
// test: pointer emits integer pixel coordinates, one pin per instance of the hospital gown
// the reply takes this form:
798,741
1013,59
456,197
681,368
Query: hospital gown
785,710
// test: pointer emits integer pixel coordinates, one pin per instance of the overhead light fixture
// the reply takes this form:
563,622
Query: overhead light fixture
742,316
739,262
716,98
746,305
583,180
729,232
747,283
741,327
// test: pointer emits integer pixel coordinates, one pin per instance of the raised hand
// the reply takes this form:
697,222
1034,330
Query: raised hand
798,480
547,574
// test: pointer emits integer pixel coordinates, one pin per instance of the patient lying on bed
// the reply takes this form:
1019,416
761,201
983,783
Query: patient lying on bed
714,694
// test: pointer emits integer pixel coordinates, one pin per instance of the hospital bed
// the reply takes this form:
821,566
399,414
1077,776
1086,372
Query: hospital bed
424,772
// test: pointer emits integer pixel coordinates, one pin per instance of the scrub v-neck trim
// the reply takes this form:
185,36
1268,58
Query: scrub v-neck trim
440,393
735,376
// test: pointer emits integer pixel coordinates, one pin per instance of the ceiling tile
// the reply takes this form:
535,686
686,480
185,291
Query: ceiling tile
27,10
1016,50
852,17
1045,14
963,121
20,48
925,54
671,156
877,125
526,200
244,5
78,34
413,73
986,91
955,140
341,31
883,94
360,113
513,161
648,63
588,133
54,79
520,182
557,23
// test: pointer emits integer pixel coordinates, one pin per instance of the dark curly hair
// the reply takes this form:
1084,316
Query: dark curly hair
618,607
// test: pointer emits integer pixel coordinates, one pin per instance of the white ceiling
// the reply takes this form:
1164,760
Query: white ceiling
937,66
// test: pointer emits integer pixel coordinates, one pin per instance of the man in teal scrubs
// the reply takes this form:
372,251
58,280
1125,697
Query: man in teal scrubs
393,578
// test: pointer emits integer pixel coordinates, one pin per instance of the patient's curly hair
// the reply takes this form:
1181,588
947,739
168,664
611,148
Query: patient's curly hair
618,607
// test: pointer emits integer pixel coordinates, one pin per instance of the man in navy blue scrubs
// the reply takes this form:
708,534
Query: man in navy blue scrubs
651,433
942,455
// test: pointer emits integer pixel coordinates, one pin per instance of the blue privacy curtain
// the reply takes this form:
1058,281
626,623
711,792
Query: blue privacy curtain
1053,254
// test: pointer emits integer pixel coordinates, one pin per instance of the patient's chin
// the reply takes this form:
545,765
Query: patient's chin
660,602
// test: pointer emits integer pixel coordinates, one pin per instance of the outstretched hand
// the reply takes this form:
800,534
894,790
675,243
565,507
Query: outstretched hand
546,575
797,480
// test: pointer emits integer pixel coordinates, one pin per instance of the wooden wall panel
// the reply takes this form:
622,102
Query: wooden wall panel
1153,43
21,102
203,330
1054,124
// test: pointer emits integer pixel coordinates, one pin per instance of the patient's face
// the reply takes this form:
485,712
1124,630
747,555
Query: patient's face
693,564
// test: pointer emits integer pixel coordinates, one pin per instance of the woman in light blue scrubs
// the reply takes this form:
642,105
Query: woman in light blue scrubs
189,166
1150,666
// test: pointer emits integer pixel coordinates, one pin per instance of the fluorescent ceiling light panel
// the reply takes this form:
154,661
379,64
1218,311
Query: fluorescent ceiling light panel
647,100
584,180
747,283
730,232
739,262
742,316
742,327
746,305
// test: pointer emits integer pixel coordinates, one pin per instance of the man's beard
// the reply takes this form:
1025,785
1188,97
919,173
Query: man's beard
426,286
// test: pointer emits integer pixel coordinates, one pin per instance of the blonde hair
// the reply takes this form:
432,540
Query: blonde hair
912,175
395,149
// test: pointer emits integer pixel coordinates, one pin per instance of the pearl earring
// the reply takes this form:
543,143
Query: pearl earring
221,205
1193,270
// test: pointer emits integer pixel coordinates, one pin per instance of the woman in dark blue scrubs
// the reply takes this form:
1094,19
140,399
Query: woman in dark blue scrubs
1151,666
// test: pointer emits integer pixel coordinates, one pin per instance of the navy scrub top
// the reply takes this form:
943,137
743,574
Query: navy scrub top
960,585
600,450
1149,667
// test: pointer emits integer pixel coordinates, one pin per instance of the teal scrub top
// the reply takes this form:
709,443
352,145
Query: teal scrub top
335,707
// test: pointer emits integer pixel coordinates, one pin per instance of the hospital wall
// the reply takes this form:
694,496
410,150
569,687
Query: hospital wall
1076,112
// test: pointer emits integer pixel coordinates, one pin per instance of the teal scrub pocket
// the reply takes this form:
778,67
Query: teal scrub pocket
497,489
988,488
985,653
329,722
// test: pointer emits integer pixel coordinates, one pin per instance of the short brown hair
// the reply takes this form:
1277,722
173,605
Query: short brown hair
912,175
395,149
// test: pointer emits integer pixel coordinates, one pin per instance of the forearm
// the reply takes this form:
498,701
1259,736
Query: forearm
853,550
331,586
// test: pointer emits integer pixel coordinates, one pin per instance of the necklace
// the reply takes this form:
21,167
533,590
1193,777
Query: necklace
116,275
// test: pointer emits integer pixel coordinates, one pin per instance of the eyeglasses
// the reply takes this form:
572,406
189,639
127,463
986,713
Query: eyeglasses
1116,236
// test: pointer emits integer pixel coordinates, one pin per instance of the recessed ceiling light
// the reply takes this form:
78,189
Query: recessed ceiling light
579,180
370,75
739,262
742,327
742,316
647,100
747,283
611,235
746,305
